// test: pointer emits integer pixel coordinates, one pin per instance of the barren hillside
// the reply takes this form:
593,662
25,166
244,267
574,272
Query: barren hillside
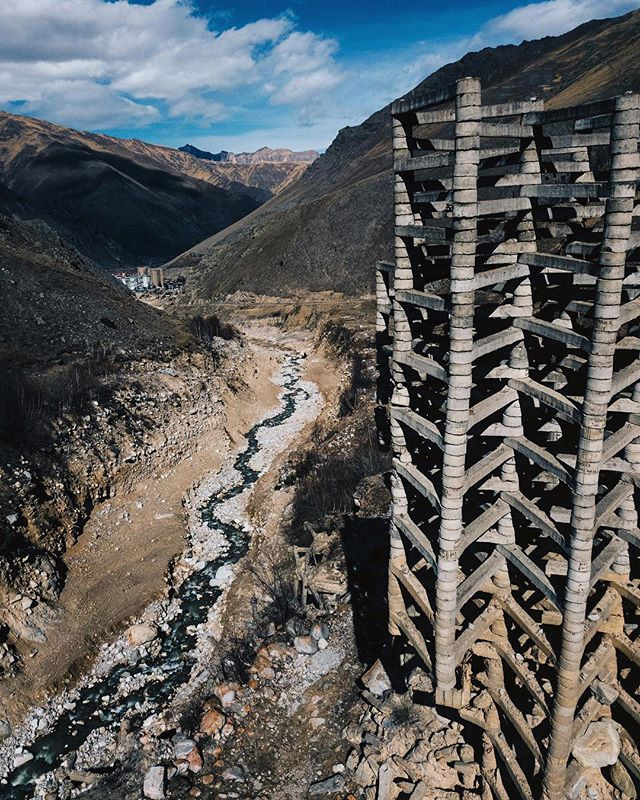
122,200
326,230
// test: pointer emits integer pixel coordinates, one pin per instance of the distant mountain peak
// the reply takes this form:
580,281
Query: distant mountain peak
280,155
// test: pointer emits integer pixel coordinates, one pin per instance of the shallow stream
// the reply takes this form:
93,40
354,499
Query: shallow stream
171,667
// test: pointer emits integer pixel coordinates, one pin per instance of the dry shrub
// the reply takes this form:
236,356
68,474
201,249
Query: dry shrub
328,477
275,577
30,399
207,328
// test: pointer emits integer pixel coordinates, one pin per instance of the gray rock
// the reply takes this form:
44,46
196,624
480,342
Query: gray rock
5,729
599,746
154,783
364,774
305,644
604,693
385,780
22,758
376,679
319,630
183,747
328,786
352,760
295,627
622,780
233,774
87,777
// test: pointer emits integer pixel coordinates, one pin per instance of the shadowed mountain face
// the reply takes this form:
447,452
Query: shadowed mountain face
326,230
59,307
124,201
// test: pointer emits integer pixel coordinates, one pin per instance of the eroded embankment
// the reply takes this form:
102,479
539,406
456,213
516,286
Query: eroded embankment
115,472
134,680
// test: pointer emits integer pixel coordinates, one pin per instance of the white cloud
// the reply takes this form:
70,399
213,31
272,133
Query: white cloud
552,18
116,63
203,109
302,53
372,85
305,87
97,63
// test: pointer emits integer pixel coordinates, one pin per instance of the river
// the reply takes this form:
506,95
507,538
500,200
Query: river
134,691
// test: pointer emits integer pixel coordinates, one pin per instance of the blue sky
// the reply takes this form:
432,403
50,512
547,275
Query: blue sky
238,75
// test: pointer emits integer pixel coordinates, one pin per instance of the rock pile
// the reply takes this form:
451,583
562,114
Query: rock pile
402,748
321,571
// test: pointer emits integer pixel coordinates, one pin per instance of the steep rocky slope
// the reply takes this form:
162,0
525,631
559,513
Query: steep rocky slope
95,388
326,230
123,200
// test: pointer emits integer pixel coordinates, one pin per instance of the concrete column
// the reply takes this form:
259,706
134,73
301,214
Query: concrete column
382,299
608,294
465,195
403,279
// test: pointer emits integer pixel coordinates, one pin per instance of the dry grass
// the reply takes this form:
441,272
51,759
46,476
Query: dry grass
328,477
29,400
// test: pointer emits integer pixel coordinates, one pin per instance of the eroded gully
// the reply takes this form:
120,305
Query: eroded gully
144,681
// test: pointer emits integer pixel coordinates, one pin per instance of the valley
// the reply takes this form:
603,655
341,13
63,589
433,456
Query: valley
204,484
157,551
195,557
123,202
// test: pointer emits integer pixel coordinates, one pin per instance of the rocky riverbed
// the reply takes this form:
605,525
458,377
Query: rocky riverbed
138,679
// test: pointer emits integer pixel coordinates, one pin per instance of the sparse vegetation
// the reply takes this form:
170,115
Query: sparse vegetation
275,578
207,328
30,399
361,383
237,658
339,337
404,712
328,477
345,344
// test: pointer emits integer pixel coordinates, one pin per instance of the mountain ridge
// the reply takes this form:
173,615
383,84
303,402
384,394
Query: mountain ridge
123,201
264,155
326,230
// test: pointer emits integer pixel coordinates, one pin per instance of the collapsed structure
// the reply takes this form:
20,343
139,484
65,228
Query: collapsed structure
510,380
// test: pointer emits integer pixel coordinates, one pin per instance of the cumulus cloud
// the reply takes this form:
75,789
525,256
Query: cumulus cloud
108,64
552,18
97,63
393,76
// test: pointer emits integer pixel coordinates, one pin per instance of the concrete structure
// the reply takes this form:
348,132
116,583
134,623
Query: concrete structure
157,277
509,331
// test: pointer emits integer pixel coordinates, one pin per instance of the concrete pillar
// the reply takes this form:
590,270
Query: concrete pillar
608,294
465,173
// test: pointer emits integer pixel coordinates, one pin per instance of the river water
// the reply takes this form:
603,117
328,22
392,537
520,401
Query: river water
162,674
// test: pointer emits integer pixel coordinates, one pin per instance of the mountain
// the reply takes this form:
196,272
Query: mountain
59,306
261,156
123,201
327,229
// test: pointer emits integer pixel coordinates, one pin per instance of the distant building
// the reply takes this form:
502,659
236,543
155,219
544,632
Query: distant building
157,277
